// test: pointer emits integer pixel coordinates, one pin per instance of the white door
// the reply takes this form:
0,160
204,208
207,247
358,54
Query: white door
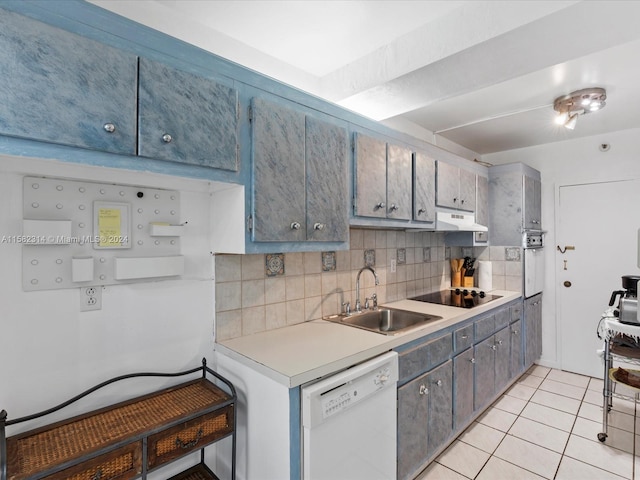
601,220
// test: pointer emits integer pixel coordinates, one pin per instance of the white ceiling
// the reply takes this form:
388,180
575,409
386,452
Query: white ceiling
482,74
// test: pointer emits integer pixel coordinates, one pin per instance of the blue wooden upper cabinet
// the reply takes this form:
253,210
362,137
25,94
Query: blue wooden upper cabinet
383,187
186,118
62,88
300,189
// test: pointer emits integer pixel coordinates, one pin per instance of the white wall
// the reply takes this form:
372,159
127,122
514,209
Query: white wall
50,351
568,163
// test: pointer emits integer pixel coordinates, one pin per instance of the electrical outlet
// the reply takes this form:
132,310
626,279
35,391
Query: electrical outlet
90,298
393,265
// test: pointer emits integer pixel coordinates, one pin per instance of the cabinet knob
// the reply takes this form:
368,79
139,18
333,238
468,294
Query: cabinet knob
380,205
421,211
462,201
455,199
472,360
295,225
109,127
493,347
438,383
515,332
499,342
423,390
464,337
166,138
393,207
318,226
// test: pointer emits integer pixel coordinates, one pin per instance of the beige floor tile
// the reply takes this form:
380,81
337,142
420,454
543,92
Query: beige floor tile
617,419
510,404
565,389
464,459
549,416
483,437
530,381
593,396
521,391
617,438
540,434
600,455
531,457
498,419
498,469
571,469
569,378
538,371
596,384
436,471
559,402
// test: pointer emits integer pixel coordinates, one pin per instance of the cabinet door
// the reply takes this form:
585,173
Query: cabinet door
532,206
463,387
440,424
278,173
326,156
447,185
424,188
502,341
467,190
371,177
399,180
62,88
516,348
484,353
186,118
482,200
533,329
413,413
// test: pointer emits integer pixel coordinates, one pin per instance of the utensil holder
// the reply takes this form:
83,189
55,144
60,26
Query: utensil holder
456,278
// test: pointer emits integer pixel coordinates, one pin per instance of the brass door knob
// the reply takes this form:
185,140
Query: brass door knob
567,283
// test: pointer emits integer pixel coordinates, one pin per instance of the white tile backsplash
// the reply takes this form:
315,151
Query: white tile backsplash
305,292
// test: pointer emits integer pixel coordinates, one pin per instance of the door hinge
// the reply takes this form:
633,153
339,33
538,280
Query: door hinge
250,113
249,224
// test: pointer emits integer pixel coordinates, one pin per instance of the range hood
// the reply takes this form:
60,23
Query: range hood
458,222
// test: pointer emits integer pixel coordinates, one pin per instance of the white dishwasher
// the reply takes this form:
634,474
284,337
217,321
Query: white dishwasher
349,423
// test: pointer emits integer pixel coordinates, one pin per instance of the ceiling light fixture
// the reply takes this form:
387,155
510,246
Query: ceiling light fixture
568,107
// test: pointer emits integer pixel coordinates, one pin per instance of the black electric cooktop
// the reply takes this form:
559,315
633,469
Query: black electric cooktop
457,298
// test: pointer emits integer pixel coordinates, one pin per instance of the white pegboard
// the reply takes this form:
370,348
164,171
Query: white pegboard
75,230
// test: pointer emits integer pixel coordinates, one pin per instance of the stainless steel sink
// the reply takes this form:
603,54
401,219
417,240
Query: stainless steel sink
386,321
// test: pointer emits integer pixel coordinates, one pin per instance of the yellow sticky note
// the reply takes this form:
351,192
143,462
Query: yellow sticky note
110,227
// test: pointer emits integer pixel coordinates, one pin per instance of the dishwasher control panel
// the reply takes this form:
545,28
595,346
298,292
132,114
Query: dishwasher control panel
343,390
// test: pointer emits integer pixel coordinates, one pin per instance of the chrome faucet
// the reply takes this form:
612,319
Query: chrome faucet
375,275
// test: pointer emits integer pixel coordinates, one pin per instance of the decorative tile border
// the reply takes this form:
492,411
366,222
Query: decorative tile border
512,254
274,264
328,261
370,258
401,255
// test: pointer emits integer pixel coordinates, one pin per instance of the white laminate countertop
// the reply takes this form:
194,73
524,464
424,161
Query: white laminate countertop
306,351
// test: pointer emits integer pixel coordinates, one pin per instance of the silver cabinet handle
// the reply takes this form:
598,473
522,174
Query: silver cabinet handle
472,360
380,205
421,211
318,226
493,347
423,390
499,342
515,332
464,337
166,138
109,127
295,225
438,383
393,207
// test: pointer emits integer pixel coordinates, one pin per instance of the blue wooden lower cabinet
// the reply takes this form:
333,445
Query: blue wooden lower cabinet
444,385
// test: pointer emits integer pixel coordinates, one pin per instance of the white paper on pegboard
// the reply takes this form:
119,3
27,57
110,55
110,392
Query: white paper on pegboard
107,221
